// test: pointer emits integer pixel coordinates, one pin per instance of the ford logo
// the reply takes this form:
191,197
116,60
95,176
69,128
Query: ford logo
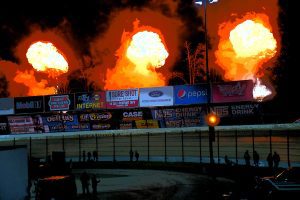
156,93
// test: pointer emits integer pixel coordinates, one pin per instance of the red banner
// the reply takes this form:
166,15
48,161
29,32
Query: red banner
234,91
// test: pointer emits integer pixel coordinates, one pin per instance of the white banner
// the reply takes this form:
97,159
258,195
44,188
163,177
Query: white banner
158,96
122,95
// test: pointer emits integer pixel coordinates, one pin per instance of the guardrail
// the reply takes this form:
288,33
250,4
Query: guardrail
168,145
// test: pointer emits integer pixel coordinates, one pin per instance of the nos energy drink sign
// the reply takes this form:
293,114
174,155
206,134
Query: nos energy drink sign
190,94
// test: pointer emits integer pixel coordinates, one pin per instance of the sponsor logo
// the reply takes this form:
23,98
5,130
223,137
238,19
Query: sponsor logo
156,93
191,94
233,90
181,94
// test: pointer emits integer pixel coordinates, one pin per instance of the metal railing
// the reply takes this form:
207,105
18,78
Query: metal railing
166,145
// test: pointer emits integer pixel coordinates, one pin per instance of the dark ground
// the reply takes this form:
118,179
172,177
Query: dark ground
221,182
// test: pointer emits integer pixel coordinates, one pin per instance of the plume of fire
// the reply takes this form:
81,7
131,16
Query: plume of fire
141,52
37,73
44,56
35,87
245,45
260,92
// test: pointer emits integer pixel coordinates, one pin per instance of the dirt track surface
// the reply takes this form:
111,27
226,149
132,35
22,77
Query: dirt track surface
154,184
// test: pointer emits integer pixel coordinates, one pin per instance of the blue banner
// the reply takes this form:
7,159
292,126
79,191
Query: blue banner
62,123
190,94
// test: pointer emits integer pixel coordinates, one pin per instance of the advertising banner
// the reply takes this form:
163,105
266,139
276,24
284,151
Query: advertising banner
147,123
126,125
62,102
90,101
6,106
190,94
158,96
122,98
61,122
98,121
34,104
132,115
180,117
237,110
3,126
20,124
234,91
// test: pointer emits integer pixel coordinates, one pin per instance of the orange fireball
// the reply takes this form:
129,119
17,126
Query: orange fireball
141,52
44,56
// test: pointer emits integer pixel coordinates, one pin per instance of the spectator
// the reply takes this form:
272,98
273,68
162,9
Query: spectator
95,156
94,184
256,158
85,178
247,158
83,155
137,155
270,160
276,159
227,161
131,155
89,155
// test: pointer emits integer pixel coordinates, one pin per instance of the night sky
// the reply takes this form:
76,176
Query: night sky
93,28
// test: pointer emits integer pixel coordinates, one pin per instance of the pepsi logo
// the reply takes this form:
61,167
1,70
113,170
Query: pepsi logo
156,93
181,93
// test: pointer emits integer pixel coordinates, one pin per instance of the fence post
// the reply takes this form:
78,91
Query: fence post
30,151
270,134
165,146
252,135
46,148
218,136
288,148
114,148
79,147
236,148
63,143
182,147
130,141
200,147
148,141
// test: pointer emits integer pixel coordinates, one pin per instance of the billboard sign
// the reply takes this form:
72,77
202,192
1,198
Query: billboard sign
234,91
34,104
158,96
61,122
3,126
63,102
20,124
180,117
6,106
190,94
122,98
90,101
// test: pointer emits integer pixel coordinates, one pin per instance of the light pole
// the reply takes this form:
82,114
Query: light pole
210,116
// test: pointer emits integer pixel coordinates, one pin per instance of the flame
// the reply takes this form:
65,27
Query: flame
260,92
44,56
142,51
244,46
35,88
252,39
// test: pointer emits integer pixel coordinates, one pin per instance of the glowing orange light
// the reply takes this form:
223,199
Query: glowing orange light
212,119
